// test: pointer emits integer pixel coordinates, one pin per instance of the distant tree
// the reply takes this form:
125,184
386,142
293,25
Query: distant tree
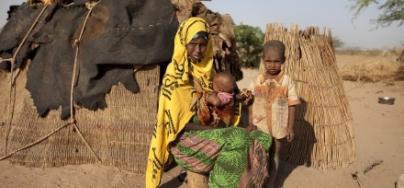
249,44
392,10
401,58
337,42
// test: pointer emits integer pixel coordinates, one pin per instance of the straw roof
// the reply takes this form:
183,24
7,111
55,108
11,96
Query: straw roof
324,136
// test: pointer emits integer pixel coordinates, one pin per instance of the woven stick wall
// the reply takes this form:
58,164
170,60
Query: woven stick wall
324,136
119,134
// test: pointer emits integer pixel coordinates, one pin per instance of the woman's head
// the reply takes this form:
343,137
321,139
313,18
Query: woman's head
273,57
194,36
193,51
196,48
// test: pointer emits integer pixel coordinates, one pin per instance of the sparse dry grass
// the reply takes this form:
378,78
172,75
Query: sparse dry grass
370,68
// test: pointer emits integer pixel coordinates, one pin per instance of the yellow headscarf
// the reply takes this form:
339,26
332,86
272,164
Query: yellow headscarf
176,94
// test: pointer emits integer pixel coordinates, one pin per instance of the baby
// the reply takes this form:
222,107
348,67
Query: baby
219,107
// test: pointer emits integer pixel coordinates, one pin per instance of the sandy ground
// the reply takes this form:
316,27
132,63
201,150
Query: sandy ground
379,131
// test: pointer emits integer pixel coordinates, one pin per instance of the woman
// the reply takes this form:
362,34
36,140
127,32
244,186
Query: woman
228,148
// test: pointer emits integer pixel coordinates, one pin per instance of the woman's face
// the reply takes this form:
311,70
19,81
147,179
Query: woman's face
196,49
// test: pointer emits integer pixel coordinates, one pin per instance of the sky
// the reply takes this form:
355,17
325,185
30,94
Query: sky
334,14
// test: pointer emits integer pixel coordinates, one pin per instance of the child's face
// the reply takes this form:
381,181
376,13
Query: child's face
223,85
273,61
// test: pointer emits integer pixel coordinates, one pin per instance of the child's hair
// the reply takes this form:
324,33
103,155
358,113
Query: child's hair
274,44
225,78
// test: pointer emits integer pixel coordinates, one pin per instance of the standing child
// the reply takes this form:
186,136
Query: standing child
275,102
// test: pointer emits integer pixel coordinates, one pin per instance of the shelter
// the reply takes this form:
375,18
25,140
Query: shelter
81,79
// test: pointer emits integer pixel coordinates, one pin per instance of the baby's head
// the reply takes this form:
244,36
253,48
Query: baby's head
224,82
273,57
225,85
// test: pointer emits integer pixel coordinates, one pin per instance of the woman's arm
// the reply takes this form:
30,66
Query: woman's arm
196,127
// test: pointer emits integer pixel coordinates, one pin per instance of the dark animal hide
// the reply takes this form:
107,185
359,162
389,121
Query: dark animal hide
119,36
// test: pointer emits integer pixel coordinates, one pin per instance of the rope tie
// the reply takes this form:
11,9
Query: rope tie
72,120
76,68
12,79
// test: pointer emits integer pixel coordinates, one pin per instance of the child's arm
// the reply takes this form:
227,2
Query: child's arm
291,123
245,96
213,100
293,100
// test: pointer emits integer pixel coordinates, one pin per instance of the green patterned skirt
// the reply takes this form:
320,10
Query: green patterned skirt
232,156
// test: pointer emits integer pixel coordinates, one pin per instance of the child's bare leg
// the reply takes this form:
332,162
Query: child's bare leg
274,162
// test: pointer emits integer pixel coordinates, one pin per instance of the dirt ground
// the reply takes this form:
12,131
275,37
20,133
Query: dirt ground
379,132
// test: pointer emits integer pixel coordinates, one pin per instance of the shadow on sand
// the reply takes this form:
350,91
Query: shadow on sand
298,152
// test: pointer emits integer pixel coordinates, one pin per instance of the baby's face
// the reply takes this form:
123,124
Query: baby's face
223,85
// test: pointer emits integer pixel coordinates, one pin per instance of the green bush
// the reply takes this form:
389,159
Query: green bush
249,44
